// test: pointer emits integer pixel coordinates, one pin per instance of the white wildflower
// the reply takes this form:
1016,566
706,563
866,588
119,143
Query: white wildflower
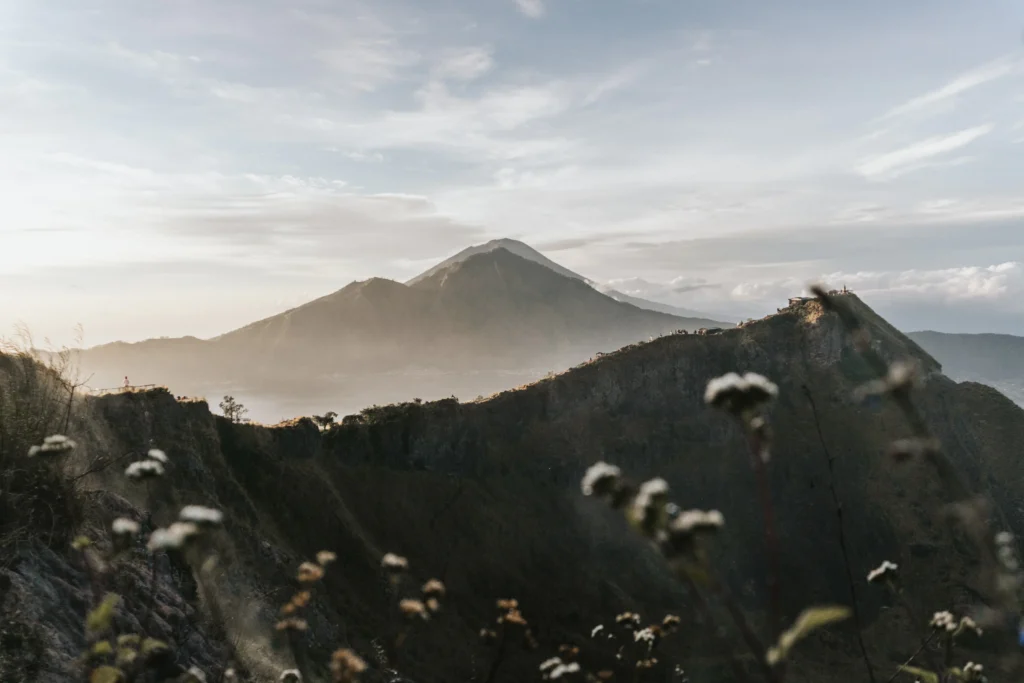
886,570
650,491
691,521
718,386
144,469
563,669
158,455
394,563
645,634
1004,538
173,537
122,526
53,445
738,394
599,477
550,663
195,675
973,672
968,624
290,676
901,375
597,629
761,384
201,516
944,621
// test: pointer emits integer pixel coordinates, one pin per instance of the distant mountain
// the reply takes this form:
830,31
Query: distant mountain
527,252
993,359
662,308
477,325
494,306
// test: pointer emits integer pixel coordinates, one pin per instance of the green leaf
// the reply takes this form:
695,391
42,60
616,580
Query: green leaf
81,542
102,648
924,675
809,620
125,656
98,620
129,640
152,645
106,674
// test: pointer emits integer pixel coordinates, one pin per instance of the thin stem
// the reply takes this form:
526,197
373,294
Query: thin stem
758,448
705,610
924,644
153,558
746,630
498,657
842,537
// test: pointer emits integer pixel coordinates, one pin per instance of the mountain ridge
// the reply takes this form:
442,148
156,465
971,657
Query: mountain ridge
485,496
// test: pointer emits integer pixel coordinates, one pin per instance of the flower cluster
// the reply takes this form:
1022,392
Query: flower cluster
740,395
122,526
973,672
144,469
346,666
308,574
201,516
58,444
511,623
555,669
943,621
678,534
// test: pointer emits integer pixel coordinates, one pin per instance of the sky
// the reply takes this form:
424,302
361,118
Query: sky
184,167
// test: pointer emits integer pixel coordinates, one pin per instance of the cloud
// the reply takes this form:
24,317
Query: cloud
617,80
367,64
974,78
531,8
986,298
464,64
912,156
1002,282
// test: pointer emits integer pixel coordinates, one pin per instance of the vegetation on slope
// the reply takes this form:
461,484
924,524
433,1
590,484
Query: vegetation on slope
485,498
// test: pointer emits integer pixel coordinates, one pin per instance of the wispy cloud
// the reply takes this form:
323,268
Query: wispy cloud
531,8
913,156
969,80
370,63
464,64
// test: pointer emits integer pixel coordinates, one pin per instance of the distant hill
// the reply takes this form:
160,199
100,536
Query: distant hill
527,252
475,326
993,359
493,306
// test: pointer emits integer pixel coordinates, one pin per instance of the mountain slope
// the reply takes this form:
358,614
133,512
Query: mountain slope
486,497
706,319
993,359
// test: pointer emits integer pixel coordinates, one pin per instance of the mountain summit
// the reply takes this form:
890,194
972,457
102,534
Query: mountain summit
520,249
529,253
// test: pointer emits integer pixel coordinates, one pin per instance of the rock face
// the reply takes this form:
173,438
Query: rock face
485,496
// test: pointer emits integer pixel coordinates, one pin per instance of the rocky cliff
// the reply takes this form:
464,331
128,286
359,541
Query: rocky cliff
485,496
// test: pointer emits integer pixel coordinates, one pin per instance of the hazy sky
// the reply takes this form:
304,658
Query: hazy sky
186,166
